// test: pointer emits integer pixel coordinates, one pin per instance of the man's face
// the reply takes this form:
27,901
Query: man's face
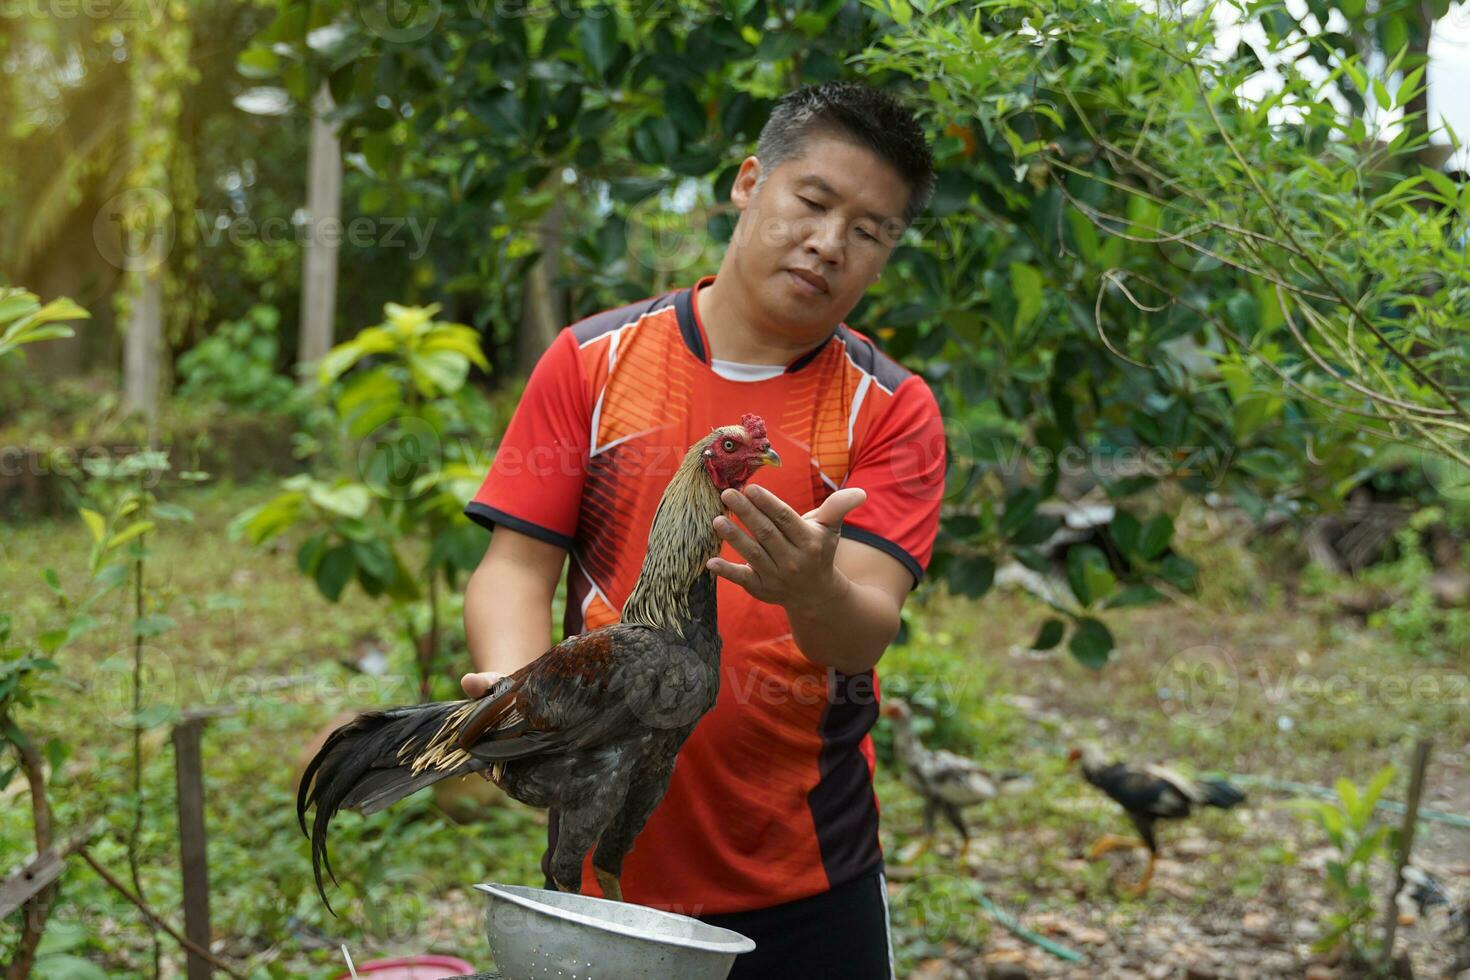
831,216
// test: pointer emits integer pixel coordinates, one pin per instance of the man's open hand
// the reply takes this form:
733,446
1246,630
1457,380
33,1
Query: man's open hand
789,555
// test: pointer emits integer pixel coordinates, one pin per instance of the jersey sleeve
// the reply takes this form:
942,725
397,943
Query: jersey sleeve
900,464
535,481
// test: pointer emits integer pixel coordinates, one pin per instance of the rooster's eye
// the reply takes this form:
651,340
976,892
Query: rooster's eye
729,445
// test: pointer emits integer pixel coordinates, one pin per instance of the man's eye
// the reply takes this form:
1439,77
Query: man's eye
812,204
729,445
866,235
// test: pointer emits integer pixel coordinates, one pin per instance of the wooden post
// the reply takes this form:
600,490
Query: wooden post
1406,846
193,860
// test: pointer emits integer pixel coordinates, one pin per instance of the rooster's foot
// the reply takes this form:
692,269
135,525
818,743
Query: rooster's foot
1138,890
1111,842
612,888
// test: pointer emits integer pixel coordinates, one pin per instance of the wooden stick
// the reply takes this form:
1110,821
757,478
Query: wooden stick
193,859
1406,845
155,918
40,872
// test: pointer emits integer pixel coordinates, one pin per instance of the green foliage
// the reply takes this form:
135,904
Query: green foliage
1349,827
1171,286
395,394
236,365
1416,619
23,320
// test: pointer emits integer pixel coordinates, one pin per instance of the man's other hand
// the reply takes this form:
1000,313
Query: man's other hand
477,684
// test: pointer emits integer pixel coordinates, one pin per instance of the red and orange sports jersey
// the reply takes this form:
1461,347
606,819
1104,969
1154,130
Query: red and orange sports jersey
772,796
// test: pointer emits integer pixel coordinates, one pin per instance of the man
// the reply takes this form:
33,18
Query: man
770,826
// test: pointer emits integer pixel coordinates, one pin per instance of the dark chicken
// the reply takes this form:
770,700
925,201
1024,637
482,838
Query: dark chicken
592,726
945,781
1148,794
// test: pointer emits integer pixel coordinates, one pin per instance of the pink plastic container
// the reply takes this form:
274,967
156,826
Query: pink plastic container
428,967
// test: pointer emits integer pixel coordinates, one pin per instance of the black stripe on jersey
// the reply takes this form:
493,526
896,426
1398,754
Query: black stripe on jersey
869,359
607,321
488,517
867,537
844,813
688,328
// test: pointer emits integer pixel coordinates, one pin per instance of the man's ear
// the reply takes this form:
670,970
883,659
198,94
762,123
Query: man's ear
745,181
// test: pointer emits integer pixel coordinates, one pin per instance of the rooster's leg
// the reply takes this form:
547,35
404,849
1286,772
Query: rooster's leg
1148,875
612,888
1111,842
915,850
954,815
578,828
617,840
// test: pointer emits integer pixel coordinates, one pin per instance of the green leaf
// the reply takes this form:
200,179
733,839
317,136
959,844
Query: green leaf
1088,574
1155,536
309,555
1019,508
96,523
1179,572
1381,96
437,373
971,575
1026,288
1091,643
375,559
335,571
129,533
172,512
1049,635
598,30
1134,595
348,500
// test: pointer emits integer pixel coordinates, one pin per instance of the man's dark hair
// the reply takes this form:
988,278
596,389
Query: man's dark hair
858,113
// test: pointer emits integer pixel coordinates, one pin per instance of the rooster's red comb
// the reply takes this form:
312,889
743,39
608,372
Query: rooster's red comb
755,426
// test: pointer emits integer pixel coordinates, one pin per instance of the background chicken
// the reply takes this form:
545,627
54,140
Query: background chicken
1149,794
947,782
593,725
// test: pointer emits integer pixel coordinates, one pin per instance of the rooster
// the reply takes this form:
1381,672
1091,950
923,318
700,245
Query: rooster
592,726
1148,794
947,782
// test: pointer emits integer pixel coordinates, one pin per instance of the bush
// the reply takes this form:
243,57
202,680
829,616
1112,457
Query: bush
236,365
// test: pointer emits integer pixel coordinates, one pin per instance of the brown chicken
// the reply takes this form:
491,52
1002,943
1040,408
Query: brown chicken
591,727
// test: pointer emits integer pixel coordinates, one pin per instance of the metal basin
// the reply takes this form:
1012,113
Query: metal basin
536,934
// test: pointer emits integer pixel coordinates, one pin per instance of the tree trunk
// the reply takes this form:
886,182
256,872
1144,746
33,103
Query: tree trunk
543,307
143,350
323,211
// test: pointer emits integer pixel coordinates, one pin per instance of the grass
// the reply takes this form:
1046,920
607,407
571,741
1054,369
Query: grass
1248,678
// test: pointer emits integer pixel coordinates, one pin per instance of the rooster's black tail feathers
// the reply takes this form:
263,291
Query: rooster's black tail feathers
1221,794
367,764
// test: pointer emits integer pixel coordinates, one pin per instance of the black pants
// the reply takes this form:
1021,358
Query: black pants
841,934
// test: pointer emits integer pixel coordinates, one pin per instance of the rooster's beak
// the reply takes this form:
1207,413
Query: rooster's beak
769,458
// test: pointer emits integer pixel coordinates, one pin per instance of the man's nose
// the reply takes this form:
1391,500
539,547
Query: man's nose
825,238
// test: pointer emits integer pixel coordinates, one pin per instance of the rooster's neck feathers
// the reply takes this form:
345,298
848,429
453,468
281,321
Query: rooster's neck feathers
680,542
